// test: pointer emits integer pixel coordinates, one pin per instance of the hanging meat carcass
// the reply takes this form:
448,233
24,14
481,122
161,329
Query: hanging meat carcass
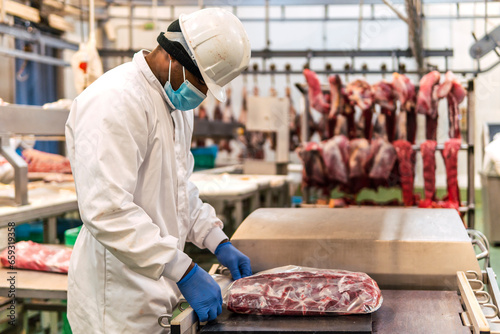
406,163
360,94
227,117
405,93
335,154
428,150
202,114
359,151
450,156
384,95
384,158
316,98
455,94
427,102
314,173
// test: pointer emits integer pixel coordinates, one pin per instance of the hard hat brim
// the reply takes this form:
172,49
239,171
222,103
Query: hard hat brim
217,91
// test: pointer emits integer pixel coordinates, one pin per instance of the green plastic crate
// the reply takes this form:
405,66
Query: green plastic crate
71,235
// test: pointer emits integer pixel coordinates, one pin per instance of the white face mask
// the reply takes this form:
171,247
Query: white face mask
187,96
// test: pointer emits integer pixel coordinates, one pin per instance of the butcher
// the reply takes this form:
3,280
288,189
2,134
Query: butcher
128,138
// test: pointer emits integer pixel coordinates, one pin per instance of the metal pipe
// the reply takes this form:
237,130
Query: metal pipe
131,27
37,36
397,12
91,20
360,23
33,57
330,19
268,40
20,171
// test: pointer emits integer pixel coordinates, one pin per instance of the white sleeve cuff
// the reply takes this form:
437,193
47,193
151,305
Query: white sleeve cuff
176,268
213,239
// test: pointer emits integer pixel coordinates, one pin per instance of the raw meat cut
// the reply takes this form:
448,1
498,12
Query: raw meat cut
44,162
383,162
314,173
406,163
305,293
316,98
335,157
405,91
450,156
384,95
360,93
33,256
455,94
427,102
428,150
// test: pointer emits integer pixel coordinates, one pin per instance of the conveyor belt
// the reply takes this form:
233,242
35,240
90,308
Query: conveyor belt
403,311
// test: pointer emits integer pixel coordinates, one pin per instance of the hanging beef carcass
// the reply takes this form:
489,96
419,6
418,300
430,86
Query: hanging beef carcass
450,156
316,98
335,154
384,95
427,102
314,173
455,94
406,163
428,150
405,93
359,151
382,163
360,94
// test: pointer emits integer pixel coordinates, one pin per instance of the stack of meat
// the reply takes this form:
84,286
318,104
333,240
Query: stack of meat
307,292
356,155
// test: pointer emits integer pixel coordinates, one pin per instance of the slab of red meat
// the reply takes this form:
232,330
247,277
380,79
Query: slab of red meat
360,94
428,150
313,292
383,162
384,95
314,173
33,256
406,162
455,94
359,152
336,157
44,162
316,97
450,156
427,102
405,92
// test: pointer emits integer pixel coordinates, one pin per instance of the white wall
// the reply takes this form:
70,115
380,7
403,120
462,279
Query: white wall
383,33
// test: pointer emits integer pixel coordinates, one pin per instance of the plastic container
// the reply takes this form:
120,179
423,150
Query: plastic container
204,157
70,236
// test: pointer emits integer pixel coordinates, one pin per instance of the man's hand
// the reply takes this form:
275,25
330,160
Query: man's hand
202,293
237,262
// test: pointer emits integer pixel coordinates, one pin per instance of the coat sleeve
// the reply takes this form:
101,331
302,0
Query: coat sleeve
206,228
107,138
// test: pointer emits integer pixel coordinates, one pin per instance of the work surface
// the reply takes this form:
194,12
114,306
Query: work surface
45,200
401,248
403,311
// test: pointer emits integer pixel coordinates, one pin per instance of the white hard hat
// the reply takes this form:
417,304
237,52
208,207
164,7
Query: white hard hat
219,44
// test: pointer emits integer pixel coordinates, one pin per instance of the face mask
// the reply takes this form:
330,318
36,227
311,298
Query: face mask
187,97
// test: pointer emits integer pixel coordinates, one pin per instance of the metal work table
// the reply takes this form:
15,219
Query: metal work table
46,201
435,312
236,190
35,284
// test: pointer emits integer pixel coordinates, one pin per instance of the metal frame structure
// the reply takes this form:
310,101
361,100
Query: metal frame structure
468,206
27,120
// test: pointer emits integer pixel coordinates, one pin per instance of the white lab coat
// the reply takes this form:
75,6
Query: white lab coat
131,173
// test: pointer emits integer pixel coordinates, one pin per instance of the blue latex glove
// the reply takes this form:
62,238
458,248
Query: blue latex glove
237,262
202,293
